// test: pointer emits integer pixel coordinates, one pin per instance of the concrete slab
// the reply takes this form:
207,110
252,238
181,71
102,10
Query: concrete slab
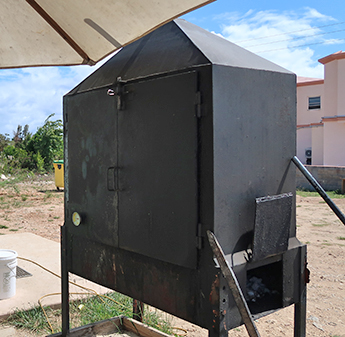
8,332
30,289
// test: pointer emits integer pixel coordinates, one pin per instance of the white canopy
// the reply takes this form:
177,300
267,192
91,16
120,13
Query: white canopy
71,32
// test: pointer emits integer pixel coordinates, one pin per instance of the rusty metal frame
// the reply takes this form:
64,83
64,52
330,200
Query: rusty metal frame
234,286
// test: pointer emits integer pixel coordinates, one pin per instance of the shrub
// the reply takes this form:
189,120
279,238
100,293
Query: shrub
32,152
48,142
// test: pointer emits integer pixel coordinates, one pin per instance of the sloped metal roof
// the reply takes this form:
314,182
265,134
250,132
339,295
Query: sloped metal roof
223,52
175,46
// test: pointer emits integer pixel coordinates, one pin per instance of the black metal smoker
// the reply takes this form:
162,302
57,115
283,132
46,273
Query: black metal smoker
179,133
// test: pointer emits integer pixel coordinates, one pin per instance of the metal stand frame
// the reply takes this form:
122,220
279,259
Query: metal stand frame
230,277
138,310
234,286
138,306
64,283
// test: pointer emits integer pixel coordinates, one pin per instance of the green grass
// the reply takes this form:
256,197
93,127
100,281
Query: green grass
320,224
47,195
32,319
88,310
332,244
17,178
24,176
16,189
3,227
17,204
341,237
332,194
4,205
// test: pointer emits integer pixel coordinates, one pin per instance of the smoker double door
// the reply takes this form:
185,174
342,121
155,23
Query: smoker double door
132,172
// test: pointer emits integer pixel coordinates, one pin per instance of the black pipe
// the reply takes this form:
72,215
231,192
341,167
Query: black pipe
319,189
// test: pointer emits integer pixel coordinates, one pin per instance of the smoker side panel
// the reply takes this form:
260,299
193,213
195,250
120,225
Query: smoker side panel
254,141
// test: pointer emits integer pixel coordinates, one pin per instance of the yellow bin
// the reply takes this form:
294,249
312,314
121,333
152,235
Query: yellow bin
59,173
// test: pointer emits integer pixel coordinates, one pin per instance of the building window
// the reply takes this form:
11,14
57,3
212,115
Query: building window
314,103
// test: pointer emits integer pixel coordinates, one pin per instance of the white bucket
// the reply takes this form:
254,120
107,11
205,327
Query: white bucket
8,271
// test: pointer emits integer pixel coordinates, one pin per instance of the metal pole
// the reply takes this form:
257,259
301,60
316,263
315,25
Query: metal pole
138,310
64,283
234,286
301,306
319,189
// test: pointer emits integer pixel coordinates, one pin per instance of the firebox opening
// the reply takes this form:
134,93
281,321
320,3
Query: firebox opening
264,288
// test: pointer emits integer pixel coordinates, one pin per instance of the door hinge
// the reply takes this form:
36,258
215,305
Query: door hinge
199,237
198,104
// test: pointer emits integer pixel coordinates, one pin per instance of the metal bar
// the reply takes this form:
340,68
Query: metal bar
64,283
234,286
301,306
319,189
54,25
138,310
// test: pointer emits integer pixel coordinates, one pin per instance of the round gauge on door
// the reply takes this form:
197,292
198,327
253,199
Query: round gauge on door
76,219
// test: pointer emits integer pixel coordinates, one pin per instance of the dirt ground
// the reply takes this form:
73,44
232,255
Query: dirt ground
37,207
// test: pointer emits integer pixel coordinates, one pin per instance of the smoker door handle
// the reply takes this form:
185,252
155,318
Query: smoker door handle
112,179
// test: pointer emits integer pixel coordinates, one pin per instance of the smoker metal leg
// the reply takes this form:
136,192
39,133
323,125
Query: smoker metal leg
234,286
300,316
64,283
222,333
138,310
301,306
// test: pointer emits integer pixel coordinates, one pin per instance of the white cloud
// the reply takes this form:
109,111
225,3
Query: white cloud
285,38
334,41
30,95
312,13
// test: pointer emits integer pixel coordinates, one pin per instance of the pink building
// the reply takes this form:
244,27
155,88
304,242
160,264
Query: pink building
321,114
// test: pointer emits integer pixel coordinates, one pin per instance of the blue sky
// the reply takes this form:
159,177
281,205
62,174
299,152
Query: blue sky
293,34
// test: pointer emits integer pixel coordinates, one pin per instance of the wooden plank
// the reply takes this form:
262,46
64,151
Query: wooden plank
113,325
141,329
107,326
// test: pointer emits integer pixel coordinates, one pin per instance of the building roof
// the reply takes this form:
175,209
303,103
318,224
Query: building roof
333,118
304,81
310,125
335,56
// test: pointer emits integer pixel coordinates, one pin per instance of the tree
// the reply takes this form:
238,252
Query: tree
33,152
20,135
47,142
4,141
